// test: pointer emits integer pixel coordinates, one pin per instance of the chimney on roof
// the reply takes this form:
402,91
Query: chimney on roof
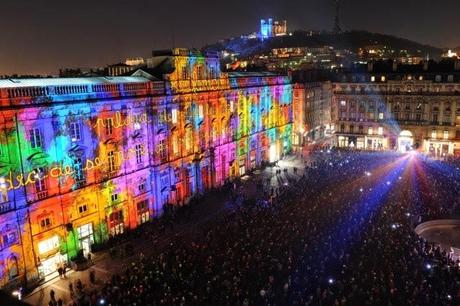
395,66
457,65
370,66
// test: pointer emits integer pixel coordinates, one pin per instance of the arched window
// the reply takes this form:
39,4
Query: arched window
13,270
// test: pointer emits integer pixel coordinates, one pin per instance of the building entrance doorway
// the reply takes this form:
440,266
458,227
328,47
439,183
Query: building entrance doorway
405,141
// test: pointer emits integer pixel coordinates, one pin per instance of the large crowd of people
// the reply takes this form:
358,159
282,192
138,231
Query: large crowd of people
341,232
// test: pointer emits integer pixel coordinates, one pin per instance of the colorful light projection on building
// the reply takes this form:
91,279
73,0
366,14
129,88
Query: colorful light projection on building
85,160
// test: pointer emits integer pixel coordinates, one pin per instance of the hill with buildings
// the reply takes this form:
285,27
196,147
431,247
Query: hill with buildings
354,41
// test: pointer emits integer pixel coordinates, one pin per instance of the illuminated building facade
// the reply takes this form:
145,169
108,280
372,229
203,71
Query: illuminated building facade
270,28
84,159
403,108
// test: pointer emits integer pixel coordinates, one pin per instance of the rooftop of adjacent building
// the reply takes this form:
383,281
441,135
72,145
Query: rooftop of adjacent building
40,82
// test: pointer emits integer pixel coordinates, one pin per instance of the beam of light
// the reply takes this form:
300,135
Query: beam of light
347,229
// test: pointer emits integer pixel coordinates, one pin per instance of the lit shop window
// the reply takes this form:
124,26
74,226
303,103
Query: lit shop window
382,78
48,245
370,131
142,212
380,130
231,107
372,78
446,135
433,134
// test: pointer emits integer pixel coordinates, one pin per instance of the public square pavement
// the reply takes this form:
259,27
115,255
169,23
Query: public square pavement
212,207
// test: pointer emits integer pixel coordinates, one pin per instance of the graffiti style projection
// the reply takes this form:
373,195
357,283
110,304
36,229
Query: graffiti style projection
85,159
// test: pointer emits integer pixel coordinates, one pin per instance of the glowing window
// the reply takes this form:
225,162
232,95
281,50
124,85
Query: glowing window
174,116
382,78
446,135
370,131
381,116
48,245
380,130
372,78
343,103
433,134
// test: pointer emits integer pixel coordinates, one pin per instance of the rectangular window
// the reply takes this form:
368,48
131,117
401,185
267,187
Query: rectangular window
200,111
114,197
111,161
141,186
446,135
188,140
108,124
139,155
162,152
433,134
142,212
3,190
48,245
36,138
380,130
39,177
83,208
435,118
175,145
370,131
45,223
75,131
381,116
174,116
9,238
78,168
231,107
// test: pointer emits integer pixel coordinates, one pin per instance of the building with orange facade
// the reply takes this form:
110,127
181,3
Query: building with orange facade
84,159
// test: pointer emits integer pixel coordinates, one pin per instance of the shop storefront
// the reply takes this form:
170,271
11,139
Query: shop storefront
116,224
85,237
143,211
242,165
375,143
438,149
49,255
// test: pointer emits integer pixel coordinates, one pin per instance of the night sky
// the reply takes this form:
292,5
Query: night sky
42,36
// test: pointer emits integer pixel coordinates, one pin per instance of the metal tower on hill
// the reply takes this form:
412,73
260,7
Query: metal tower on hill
337,28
